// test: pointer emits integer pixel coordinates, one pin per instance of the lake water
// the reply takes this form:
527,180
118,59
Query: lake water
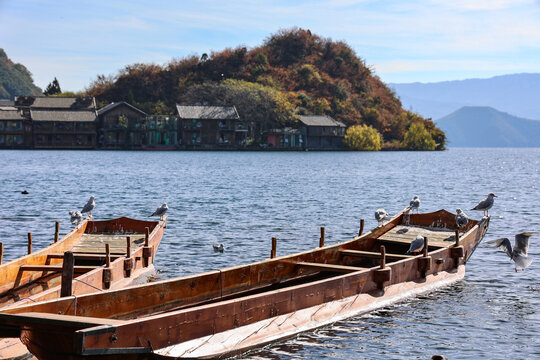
243,199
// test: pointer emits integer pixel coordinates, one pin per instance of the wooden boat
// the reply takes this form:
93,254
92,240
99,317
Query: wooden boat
39,275
228,311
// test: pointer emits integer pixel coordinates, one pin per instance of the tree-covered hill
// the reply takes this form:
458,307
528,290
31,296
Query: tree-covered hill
294,72
15,79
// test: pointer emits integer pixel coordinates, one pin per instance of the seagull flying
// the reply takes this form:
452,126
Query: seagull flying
218,248
161,210
76,217
485,204
519,252
380,215
90,205
461,218
414,204
417,245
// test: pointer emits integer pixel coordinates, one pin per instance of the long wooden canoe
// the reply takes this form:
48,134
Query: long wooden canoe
38,276
228,311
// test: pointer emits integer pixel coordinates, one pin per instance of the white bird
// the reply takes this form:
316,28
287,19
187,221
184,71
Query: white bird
380,215
161,210
417,245
519,253
219,247
485,204
461,218
414,204
76,217
90,205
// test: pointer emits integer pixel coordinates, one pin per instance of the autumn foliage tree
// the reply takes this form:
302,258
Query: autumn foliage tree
418,138
363,137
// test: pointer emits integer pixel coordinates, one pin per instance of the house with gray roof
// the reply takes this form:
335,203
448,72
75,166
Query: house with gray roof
60,122
121,126
211,126
15,130
321,132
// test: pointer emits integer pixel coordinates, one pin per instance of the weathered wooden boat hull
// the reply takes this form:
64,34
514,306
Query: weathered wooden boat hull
224,312
21,287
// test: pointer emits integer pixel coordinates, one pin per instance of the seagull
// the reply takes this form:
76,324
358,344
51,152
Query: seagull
519,253
90,205
417,245
380,215
414,204
219,247
461,218
160,211
76,217
485,204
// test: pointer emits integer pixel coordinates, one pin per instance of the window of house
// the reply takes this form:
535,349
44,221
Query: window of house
2,125
2,139
14,125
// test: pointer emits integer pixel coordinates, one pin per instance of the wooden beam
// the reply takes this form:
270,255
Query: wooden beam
373,254
329,267
29,243
56,231
1,252
56,268
438,245
67,274
80,256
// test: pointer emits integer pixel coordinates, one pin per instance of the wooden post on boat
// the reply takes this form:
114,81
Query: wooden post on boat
361,227
107,270
128,262
382,274
274,247
424,262
67,274
1,252
56,231
321,239
29,243
147,250
457,252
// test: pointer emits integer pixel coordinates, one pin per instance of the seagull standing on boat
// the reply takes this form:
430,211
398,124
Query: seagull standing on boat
417,245
160,211
414,204
519,253
380,215
486,204
90,205
218,248
461,218
76,217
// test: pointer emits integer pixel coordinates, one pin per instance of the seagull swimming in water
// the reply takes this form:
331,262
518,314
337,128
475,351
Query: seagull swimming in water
218,248
414,204
417,245
160,211
461,218
485,204
519,252
90,205
380,215
76,217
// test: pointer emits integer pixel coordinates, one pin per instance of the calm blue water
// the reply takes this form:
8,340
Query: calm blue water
244,199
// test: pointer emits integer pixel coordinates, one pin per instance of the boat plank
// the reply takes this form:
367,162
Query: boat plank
373,254
330,267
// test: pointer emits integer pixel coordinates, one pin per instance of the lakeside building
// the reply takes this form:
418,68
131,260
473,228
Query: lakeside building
161,132
322,132
286,138
211,127
121,126
15,130
60,122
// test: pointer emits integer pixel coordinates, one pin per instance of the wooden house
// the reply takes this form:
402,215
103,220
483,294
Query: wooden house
211,127
161,132
322,132
60,122
286,138
121,126
15,129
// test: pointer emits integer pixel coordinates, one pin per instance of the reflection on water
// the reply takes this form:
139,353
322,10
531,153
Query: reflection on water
244,199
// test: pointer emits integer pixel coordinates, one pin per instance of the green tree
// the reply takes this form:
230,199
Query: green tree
53,88
418,138
363,137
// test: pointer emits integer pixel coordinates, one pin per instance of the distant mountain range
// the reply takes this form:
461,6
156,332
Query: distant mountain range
516,94
481,126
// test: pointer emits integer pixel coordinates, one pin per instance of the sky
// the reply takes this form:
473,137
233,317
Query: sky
402,41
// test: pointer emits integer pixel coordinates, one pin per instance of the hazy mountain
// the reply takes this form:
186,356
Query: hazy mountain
516,94
477,126
15,79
